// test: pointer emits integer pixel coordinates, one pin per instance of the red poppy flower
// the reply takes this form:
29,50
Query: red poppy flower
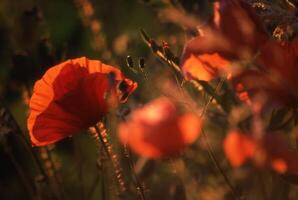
71,97
159,130
270,151
235,32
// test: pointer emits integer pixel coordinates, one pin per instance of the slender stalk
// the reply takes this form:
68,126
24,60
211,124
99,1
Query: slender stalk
216,163
219,85
100,163
101,133
210,149
98,132
137,182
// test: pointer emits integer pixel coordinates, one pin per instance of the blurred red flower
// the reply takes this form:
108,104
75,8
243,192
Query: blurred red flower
238,148
276,78
159,130
234,32
270,151
71,96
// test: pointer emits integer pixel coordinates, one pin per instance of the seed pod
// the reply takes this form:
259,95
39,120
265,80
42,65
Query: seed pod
129,61
167,52
142,63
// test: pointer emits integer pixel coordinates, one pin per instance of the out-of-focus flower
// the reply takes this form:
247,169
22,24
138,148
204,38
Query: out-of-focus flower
238,148
71,96
240,25
270,151
276,77
159,130
234,32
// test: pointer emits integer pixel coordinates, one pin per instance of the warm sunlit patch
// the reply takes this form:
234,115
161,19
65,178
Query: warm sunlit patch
238,148
279,166
204,67
71,96
271,151
158,130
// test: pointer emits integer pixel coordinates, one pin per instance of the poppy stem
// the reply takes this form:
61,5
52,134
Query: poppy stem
218,87
101,134
100,164
137,182
216,163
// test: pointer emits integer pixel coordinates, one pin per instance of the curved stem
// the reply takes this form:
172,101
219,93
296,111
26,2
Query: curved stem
216,163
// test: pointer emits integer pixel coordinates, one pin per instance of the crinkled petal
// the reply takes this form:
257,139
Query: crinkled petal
69,98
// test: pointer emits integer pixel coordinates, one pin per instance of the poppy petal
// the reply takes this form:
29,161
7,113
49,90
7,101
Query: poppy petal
69,98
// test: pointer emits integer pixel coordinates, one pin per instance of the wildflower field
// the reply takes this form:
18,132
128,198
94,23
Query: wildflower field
149,100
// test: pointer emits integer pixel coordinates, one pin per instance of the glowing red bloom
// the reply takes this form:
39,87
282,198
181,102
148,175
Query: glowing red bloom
158,130
270,151
235,32
70,97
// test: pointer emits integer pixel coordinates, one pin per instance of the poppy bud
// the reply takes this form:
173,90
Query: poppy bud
142,63
129,61
154,46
